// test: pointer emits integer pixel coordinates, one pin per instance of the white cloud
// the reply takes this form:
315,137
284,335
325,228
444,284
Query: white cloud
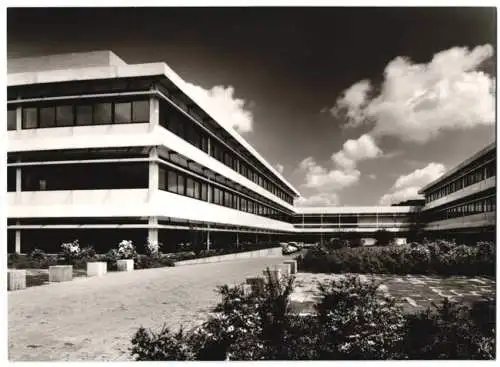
356,150
279,167
418,101
318,177
223,106
372,176
321,199
353,101
406,187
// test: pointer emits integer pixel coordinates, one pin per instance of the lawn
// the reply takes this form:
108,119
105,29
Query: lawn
415,292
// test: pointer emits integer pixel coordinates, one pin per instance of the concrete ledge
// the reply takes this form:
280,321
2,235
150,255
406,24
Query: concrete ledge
96,268
286,269
16,279
272,252
125,265
293,265
60,273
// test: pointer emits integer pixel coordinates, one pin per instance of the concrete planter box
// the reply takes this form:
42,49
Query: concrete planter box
16,279
60,273
257,284
275,274
285,269
125,265
96,268
293,265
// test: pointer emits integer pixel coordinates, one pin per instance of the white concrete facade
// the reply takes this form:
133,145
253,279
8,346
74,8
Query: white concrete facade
151,203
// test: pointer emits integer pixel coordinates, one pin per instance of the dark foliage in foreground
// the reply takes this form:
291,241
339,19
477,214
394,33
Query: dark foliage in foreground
353,321
440,257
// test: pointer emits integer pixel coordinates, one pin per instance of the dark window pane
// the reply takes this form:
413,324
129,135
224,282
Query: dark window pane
102,113
161,179
180,185
11,119
196,190
123,112
204,195
189,187
140,111
64,115
47,117
83,115
30,118
172,181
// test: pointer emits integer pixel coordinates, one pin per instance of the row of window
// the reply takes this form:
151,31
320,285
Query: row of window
182,184
470,208
96,176
80,114
176,122
471,178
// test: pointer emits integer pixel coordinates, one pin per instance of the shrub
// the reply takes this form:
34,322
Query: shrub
152,248
148,262
126,250
357,323
452,331
353,321
70,251
38,255
88,252
440,257
111,257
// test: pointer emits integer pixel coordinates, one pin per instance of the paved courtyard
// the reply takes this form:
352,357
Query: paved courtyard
415,292
95,318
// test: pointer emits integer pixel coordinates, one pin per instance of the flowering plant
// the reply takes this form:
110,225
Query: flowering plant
126,250
70,251
152,248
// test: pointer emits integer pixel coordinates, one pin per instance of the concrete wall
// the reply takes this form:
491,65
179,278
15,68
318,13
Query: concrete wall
271,252
64,61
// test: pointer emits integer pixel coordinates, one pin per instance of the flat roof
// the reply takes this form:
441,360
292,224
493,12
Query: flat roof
355,210
107,65
459,167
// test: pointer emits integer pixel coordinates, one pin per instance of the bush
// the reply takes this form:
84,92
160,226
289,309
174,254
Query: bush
440,257
70,251
353,321
126,250
111,257
38,255
452,331
88,252
152,249
148,262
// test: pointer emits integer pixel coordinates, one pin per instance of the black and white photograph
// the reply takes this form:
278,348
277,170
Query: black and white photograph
249,183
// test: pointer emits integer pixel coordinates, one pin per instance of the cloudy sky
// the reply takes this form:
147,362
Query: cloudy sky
356,106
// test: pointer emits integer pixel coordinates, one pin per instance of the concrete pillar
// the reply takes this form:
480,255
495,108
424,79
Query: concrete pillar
19,117
208,237
16,279
154,111
153,229
18,240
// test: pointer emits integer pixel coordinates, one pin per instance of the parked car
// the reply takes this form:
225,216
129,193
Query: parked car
288,249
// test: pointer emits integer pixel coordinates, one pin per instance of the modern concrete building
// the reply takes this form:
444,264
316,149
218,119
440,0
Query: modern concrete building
102,151
462,202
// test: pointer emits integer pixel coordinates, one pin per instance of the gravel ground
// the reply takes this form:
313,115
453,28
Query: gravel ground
95,318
